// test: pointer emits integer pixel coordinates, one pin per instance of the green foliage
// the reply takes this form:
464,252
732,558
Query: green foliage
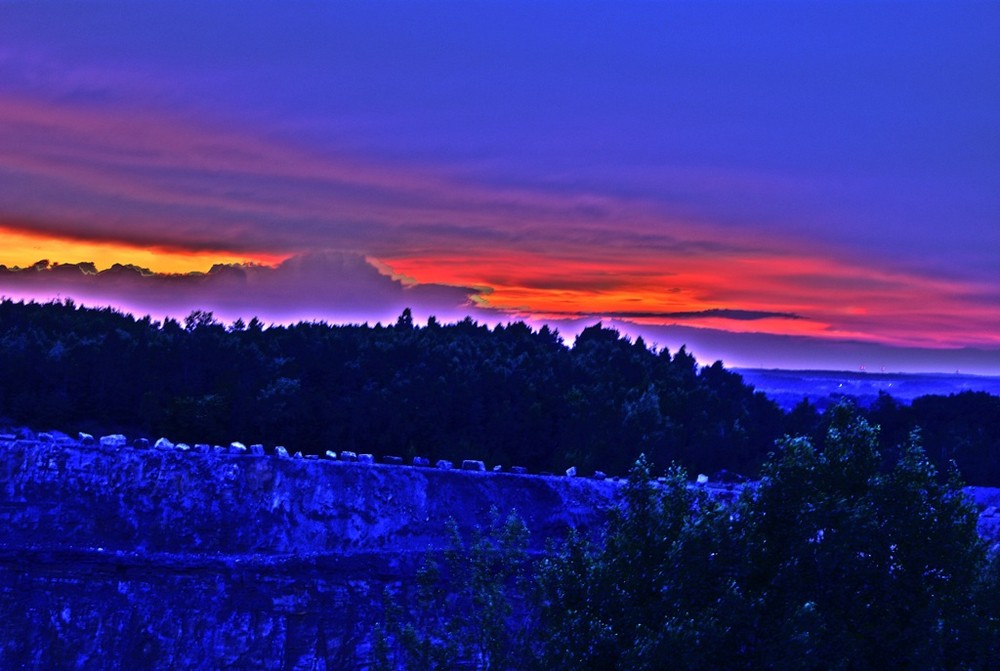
835,559
507,395
578,627
655,589
474,604
849,564
853,551
964,428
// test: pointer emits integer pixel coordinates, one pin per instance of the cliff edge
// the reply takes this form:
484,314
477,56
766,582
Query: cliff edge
123,557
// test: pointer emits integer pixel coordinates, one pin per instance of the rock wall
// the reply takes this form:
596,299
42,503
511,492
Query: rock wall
117,557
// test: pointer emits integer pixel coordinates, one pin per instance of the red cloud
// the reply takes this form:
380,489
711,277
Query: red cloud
130,177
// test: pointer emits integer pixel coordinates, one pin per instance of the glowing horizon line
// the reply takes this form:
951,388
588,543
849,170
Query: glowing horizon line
24,249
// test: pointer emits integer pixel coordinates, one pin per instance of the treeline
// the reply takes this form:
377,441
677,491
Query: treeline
508,395
834,560
963,429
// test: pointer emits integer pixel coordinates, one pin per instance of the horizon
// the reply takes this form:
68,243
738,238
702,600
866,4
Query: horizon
787,186
567,339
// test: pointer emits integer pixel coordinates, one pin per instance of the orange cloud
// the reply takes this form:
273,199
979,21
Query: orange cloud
130,186
829,299
24,248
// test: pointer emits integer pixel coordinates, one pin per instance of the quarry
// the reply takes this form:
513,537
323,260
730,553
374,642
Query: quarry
126,555
168,556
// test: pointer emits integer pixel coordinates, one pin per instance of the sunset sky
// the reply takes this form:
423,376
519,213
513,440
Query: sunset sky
781,184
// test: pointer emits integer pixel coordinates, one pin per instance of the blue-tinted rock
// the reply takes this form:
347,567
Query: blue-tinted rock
366,459
347,455
85,438
473,465
220,561
444,464
394,461
163,444
421,461
114,440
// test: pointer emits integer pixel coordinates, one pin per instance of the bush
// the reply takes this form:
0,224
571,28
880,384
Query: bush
833,560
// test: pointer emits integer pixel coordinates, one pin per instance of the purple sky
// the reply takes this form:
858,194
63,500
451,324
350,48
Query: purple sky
762,180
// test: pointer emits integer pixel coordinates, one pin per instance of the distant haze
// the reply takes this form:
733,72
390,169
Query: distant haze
788,387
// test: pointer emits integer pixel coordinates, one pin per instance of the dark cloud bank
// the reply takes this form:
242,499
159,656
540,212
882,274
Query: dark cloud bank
318,286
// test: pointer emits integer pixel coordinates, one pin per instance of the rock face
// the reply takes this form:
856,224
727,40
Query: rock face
114,557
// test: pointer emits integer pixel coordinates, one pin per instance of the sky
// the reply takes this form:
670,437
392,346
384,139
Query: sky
800,184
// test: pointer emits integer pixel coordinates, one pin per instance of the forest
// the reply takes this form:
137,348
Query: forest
508,395
851,545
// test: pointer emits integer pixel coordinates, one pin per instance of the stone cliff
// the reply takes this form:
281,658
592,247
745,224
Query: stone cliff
118,557
131,557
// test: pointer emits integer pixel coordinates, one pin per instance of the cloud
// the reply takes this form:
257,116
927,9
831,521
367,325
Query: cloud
137,176
770,291
717,313
331,286
556,174
347,287
134,178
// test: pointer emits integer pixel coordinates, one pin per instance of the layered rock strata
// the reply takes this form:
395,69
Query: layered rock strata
119,557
